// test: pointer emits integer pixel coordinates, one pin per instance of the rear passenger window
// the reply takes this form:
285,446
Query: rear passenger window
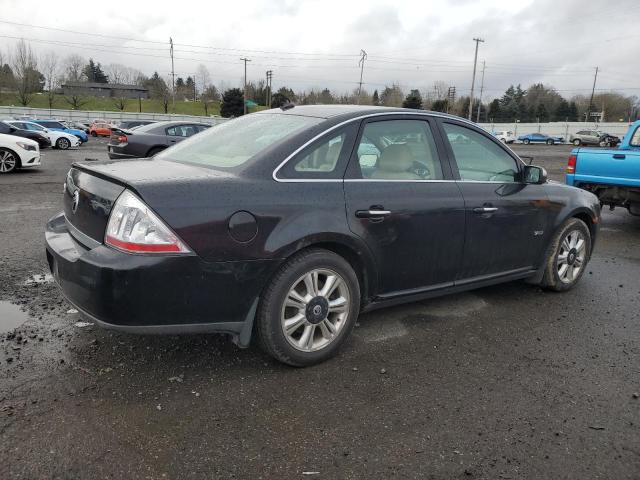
479,158
635,139
181,131
398,150
324,157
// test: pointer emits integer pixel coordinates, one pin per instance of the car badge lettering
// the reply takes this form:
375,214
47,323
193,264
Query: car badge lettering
76,201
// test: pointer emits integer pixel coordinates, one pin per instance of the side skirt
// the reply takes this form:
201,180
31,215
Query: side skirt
408,296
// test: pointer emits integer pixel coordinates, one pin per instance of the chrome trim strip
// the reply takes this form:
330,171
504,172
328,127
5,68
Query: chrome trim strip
306,144
83,238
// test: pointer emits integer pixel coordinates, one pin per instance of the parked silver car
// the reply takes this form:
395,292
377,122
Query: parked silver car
593,137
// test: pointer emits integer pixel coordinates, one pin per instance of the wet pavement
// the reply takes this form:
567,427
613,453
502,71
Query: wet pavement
503,382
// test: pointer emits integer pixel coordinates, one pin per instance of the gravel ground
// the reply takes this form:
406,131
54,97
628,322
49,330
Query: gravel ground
502,382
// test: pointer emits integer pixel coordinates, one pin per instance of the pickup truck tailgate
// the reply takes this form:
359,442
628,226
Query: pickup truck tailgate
614,167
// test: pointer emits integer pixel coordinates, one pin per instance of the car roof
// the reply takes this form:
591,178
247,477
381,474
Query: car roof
349,111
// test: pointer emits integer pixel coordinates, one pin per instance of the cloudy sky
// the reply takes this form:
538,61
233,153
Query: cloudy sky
316,43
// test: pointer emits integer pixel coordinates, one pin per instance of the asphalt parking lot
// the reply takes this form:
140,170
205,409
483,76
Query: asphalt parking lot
504,382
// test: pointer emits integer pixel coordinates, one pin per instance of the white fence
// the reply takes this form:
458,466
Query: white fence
559,129
88,115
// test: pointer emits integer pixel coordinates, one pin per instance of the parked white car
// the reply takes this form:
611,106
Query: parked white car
61,140
505,136
18,152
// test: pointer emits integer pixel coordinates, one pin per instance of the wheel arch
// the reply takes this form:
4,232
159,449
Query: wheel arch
15,154
354,251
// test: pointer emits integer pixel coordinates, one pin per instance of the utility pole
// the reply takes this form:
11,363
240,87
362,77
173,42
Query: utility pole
481,90
593,90
173,78
244,93
269,81
363,56
473,79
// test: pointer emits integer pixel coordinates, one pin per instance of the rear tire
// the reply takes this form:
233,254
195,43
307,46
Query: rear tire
9,161
526,141
308,308
63,143
567,256
577,142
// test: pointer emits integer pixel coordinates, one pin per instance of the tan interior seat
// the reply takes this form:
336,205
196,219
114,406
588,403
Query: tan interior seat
395,163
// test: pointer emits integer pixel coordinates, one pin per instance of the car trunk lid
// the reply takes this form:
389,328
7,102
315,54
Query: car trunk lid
92,188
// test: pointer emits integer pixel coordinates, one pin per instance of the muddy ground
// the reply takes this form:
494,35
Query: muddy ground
502,382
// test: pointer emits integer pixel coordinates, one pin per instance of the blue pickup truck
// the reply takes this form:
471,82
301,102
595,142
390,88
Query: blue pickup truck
611,174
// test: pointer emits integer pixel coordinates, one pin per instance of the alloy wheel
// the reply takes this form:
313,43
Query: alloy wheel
571,256
7,161
63,144
315,310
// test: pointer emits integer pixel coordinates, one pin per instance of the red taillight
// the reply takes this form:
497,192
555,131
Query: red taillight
122,139
571,164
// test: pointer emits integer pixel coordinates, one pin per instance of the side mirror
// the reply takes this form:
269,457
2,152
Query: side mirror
534,175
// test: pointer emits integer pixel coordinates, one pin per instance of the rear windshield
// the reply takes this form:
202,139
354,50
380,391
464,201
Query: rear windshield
232,143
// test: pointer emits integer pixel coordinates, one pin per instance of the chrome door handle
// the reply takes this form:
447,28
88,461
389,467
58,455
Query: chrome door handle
485,209
372,213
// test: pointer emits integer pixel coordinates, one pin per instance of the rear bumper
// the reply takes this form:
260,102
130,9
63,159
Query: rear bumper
115,154
155,294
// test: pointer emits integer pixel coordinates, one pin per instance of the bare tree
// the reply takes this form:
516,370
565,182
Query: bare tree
73,66
203,77
119,99
25,69
75,98
51,74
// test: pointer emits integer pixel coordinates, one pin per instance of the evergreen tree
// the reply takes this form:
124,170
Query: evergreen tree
562,112
440,105
375,100
495,114
232,103
413,100
573,112
93,72
541,113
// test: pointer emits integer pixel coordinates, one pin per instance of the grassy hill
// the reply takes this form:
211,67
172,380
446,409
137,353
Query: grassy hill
108,105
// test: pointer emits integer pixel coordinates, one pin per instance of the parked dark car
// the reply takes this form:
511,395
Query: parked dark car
148,140
129,124
288,223
7,129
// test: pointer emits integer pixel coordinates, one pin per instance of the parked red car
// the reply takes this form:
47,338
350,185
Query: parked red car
100,129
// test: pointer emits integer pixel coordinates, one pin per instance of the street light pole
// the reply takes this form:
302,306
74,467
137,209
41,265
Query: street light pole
244,93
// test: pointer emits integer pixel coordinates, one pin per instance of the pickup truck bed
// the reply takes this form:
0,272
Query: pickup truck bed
611,174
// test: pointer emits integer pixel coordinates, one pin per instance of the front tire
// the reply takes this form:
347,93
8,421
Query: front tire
63,143
94,134
577,142
309,308
9,161
550,142
526,141
567,256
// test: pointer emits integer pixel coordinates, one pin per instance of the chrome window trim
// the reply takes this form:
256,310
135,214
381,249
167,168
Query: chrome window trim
341,124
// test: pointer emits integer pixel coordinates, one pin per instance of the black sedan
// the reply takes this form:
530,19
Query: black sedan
286,224
148,140
42,140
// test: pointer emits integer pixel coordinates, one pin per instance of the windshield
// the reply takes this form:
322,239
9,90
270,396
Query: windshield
232,143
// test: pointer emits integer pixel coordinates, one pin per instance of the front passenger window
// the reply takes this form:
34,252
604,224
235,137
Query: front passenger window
478,158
